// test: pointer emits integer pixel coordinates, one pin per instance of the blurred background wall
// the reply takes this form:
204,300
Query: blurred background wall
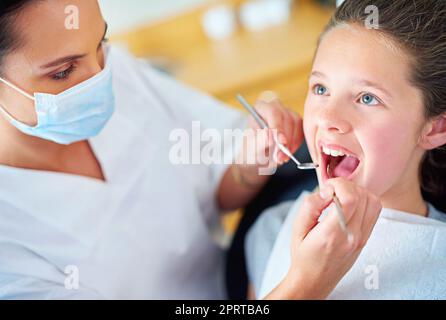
225,47
125,15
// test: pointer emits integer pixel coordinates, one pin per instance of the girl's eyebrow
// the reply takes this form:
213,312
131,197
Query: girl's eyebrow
360,81
317,74
375,85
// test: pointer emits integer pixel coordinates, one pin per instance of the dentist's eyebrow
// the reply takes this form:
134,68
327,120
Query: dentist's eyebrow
64,60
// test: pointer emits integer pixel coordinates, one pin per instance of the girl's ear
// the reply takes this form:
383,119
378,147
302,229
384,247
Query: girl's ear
434,133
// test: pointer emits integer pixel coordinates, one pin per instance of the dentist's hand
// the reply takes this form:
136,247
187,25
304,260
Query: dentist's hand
321,252
259,156
284,125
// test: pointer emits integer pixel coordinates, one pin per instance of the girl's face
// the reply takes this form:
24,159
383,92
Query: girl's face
361,104
52,58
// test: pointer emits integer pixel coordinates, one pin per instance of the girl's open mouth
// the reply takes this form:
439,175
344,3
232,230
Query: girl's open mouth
338,162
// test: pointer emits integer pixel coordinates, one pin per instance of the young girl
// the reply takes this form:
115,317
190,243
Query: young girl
375,115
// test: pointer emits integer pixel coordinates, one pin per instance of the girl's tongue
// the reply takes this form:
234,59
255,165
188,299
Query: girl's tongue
342,166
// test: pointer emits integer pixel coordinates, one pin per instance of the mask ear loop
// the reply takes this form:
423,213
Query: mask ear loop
18,89
27,95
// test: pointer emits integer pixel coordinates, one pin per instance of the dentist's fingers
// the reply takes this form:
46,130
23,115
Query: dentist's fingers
310,211
275,116
353,202
264,139
321,253
361,209
253,124
287,124
347,194
291,134
272,115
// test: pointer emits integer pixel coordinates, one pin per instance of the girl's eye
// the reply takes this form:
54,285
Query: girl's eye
63,74
319,90
369,100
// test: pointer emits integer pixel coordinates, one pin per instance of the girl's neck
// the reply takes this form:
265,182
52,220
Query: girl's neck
407,198
406,194
414,204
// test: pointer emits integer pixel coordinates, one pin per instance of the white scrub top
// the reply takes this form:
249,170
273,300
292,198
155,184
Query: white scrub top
144,234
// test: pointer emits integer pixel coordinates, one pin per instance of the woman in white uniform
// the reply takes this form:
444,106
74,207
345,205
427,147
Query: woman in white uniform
90,205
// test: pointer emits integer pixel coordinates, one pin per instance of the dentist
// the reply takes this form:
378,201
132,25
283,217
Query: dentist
90,205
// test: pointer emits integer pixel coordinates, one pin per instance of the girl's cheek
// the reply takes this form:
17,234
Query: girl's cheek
386,152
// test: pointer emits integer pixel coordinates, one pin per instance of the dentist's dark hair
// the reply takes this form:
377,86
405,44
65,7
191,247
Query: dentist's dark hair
9,39
419,28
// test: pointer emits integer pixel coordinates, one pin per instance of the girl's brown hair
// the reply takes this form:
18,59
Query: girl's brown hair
419,27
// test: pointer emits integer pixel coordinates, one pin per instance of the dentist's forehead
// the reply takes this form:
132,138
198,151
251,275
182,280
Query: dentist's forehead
43,32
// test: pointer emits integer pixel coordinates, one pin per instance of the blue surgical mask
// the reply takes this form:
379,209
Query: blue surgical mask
74,115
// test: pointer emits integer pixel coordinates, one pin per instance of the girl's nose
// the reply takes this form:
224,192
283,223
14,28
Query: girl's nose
334,120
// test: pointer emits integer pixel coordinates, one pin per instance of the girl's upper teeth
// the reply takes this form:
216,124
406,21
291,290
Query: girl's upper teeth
333,153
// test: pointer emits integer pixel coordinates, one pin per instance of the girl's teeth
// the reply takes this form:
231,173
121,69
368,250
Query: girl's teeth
333,153
326,151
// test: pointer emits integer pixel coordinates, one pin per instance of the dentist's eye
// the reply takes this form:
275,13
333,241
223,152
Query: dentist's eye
369,100
319,90
63,74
